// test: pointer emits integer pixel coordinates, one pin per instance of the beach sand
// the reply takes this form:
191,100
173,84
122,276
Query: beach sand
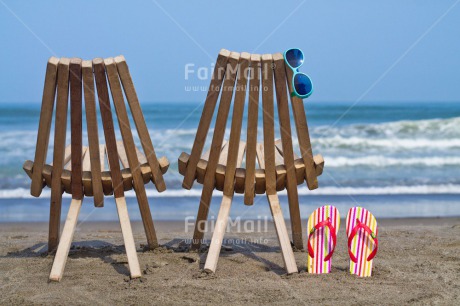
418,263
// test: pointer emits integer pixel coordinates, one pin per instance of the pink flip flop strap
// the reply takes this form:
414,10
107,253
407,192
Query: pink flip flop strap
353,233
319,225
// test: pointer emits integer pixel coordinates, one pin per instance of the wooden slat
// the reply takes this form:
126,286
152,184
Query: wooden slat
86,174
260,155
299,166
128,140
301,124
105,175
44,126
260,173
93,136
102,156
109,133
203,164
253,109
86,160
65,180
125,172
122,154
224,211
268,124
278,157
66,240
46,173
237,121
28,166
280,171
240,176
240,173
114,165
220,169
67,154
69,164
206,117
127,179
223,154
219,130
128,239
288,151
66,174
76,127
107,184
145,168
141,156
319,164
182,163
283,237
299,163
240,154
139,121
59,152
218,234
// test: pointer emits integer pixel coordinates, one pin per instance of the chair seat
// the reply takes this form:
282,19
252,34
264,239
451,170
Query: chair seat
241,171
105,175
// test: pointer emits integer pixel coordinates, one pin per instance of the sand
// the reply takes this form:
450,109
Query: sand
418,263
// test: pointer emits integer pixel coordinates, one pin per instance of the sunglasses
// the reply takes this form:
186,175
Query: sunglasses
301,83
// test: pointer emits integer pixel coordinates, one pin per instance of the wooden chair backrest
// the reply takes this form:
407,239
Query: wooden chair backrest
87,175
267,75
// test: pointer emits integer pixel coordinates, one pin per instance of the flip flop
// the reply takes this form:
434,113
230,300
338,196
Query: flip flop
323,226
362,240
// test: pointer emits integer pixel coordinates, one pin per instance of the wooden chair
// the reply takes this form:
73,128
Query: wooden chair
279,168
80,170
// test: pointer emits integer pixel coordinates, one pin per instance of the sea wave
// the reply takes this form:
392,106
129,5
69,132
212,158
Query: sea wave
384,161
405,129
431,135
23,193
359,143
412,143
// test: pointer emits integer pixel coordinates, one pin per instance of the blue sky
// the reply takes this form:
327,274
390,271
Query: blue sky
355,50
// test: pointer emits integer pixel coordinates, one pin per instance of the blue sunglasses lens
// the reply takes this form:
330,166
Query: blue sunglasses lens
302,84
294,57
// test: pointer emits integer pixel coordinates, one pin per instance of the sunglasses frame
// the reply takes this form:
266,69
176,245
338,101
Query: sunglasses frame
296,72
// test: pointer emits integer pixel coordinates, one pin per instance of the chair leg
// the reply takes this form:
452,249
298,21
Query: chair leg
282,233
128,238
54,224
218,235
201,218
66,240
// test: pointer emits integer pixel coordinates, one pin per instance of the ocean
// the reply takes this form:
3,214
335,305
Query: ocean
396,159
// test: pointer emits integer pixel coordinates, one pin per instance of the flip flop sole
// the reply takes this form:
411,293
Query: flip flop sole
321,240
362,244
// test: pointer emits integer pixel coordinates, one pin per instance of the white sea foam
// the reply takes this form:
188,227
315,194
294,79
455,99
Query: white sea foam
23,193
360,143
406,129
383,161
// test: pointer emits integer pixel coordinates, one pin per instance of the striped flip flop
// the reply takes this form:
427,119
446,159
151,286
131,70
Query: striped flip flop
323,226
362,240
